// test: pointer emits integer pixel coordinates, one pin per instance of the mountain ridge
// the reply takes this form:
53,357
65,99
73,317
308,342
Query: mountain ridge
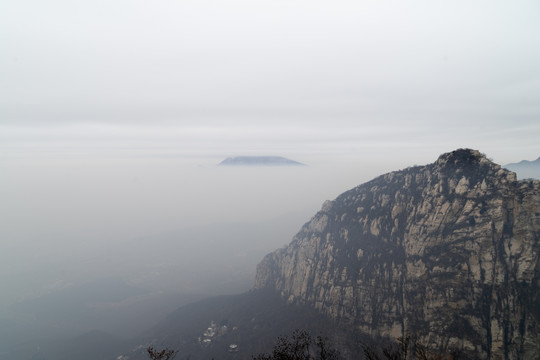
525,168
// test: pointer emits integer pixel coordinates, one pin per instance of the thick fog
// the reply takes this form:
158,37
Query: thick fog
115,114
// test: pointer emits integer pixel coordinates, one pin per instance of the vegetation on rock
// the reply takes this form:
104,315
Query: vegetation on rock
301,346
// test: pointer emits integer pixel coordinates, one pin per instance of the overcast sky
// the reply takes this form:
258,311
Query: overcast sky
293,78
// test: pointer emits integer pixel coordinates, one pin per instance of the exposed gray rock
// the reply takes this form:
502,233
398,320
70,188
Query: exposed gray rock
448,251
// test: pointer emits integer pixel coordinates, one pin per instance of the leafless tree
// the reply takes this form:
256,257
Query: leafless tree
300,346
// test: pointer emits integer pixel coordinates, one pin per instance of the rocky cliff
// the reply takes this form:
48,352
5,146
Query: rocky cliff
449,251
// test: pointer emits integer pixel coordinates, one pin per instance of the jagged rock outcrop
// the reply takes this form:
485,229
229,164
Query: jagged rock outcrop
448,251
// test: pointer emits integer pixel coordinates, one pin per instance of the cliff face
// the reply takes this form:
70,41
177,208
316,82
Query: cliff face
448,251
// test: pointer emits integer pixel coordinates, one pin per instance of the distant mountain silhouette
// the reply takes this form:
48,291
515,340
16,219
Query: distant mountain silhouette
525,169
259,161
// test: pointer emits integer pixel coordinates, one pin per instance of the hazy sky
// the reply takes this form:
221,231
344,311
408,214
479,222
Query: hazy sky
295,78
113,113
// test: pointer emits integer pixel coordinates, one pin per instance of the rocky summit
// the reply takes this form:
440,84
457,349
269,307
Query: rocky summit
448,252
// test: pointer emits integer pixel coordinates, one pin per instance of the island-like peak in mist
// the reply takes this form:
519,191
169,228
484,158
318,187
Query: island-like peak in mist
259,161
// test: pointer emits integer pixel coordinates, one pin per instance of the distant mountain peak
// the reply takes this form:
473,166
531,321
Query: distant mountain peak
525,168
259,161
527,162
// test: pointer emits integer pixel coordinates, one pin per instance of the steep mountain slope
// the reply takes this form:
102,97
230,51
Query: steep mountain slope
449,251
